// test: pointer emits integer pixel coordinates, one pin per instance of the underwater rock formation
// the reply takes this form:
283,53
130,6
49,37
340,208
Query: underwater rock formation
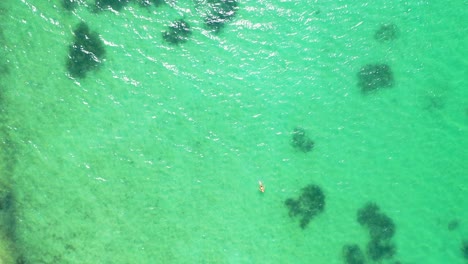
8,252
70,5
86,52
381,230
386,33
221,12
301,141
309,204
453,224
464,249
380,226
352,254
178,32
380,249
374,76
6,200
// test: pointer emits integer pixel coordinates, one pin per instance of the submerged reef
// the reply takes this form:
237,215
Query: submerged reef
70,4
380,226
375,76
86,52
116,5
301,141
386,33
309,204
178,32
8,252
381,230
221,12
453,224
464,249
352,254
380,249
6,200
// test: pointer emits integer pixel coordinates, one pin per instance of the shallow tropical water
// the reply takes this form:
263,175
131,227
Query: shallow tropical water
156,155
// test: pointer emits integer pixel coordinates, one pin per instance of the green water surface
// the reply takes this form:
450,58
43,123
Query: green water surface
155,157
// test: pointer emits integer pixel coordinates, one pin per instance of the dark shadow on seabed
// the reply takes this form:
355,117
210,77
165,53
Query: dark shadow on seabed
7,194
8,252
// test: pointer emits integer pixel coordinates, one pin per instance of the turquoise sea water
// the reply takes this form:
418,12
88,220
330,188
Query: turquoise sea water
155,157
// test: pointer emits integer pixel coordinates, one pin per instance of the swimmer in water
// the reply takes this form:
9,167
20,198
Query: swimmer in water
261,187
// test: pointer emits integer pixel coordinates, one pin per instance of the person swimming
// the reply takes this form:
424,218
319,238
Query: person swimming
261,187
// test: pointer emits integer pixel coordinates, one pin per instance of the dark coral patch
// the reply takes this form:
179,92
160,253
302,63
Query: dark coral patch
301,141
6,199
309,204
353,254
464,249
378,250
386,33
221,12
178,32
85,53
366,214
453,224
381,227
70,5
375,76
381,230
